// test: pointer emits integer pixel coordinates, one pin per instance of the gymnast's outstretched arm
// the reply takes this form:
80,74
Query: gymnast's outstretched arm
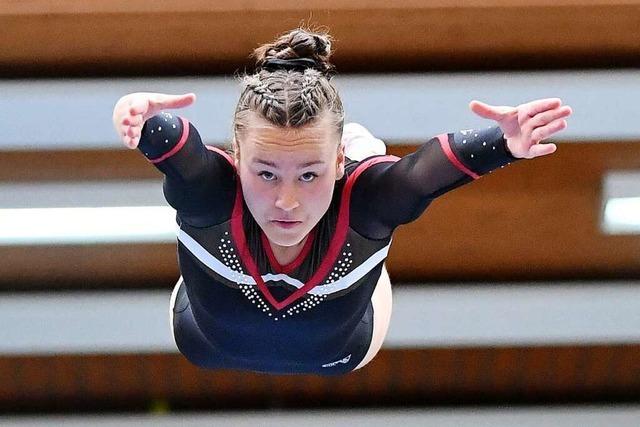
388,194
199,181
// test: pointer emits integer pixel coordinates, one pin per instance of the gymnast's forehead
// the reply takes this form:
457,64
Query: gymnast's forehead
262,133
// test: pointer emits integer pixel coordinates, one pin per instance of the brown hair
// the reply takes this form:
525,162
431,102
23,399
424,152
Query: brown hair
287,97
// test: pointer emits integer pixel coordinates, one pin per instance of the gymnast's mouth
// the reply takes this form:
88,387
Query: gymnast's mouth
286,223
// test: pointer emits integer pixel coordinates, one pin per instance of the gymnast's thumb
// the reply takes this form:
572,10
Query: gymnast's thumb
175,101
491,112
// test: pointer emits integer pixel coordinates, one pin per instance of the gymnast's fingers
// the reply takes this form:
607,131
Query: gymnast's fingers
549,116
538,106
130,142
130,120
538,150
139,106
549,129
133,131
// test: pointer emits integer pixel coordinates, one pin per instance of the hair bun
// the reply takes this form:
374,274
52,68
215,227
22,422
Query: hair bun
323,45
298,44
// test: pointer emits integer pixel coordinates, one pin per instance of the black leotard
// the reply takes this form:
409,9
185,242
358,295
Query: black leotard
238,308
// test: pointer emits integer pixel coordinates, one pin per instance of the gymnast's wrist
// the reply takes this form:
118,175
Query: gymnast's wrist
506,148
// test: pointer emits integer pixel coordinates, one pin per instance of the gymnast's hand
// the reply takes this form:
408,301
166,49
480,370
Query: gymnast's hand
526,125
132,110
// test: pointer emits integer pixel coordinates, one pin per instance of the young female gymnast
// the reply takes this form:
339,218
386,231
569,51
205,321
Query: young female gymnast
282,244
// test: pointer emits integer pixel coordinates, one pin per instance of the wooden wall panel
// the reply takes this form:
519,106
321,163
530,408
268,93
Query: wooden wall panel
394,378
146,37
533,220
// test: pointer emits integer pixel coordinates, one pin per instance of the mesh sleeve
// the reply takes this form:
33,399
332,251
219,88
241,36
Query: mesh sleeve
389,194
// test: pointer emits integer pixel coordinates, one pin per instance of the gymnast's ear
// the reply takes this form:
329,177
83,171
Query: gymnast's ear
340,162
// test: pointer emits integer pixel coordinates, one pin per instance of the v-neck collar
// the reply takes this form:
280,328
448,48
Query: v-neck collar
291,266
337,240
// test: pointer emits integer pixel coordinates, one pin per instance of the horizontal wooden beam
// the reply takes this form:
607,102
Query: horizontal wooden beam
394,378
198,37
533,220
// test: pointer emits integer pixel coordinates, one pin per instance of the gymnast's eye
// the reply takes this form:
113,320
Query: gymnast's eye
310,176
267,176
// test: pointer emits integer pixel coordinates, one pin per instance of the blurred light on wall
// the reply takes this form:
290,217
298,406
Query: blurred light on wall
622,216
621,203
87,225
87,212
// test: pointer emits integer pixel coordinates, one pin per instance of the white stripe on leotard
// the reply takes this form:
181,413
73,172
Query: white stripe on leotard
172,304
232,275
358,273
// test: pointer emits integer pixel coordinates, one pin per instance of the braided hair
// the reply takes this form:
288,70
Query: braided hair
291,86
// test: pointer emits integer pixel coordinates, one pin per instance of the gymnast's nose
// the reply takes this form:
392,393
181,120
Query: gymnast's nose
287,199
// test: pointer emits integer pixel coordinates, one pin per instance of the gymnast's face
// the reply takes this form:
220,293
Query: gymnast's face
288,176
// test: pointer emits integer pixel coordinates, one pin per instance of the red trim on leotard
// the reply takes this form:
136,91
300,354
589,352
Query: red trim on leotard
178,146
339,237
222,153
340,234
290,267
444,143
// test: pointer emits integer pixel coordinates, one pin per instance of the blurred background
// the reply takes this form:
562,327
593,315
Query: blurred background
516,297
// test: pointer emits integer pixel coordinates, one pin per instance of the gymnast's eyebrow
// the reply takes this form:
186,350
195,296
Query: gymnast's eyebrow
311,163
303,165
265,162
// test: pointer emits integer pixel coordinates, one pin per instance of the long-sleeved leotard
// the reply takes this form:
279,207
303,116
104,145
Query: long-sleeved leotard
238,308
